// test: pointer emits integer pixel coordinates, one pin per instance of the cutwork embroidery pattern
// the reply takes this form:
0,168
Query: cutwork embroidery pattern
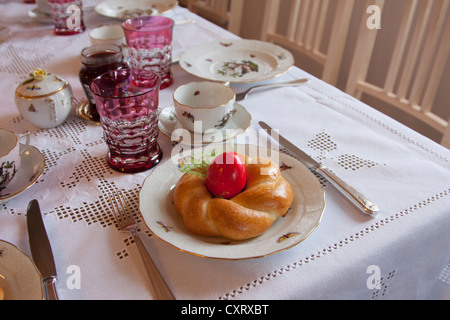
19,57
333,247
383,285
352,162
445,275
93,169
323,142
380,123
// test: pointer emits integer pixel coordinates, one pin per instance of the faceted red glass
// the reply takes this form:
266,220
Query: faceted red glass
127,101
149,42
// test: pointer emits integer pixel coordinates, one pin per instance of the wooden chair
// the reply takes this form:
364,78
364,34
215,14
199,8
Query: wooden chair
306,25
412,73
225,13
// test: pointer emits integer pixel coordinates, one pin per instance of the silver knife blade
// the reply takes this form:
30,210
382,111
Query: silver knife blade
358,199
41,249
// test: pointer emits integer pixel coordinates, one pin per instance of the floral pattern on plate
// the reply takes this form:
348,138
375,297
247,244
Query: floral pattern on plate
233,126
237,60
125,9
160,216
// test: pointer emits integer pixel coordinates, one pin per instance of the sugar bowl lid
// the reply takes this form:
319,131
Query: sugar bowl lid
41,85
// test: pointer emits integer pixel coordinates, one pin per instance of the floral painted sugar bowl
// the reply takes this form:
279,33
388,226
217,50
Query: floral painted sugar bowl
45,99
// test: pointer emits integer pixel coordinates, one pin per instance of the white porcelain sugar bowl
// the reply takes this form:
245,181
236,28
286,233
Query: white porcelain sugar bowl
45,100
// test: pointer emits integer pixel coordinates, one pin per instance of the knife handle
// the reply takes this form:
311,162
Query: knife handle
361,201
50,288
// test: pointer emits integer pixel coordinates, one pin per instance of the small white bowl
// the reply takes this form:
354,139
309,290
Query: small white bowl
202,106
109,33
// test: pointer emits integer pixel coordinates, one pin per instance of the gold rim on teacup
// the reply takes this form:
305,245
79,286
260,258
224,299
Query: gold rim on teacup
202,106
205,107
10,155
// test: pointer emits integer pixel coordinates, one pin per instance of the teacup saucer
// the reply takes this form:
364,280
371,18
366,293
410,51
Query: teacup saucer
31,168
236,126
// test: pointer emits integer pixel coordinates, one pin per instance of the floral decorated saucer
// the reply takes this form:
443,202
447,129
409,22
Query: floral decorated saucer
31,168
234,127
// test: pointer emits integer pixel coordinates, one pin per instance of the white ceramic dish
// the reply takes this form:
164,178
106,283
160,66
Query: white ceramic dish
236,126
19,277
160,216
31,168
108,33
125,9
236,60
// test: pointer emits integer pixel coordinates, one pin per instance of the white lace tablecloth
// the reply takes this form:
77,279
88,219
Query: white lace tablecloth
406,174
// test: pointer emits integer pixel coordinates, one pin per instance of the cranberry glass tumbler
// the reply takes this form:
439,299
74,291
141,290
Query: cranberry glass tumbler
67,16
149,42
127,101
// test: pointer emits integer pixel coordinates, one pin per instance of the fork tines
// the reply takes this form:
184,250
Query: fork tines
120,208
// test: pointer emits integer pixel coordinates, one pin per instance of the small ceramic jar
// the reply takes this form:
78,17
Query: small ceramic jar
45,100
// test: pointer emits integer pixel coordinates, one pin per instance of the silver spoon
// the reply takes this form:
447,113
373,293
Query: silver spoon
241,96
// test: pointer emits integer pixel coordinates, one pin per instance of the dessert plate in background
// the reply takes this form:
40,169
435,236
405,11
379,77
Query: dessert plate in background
237,60
126,9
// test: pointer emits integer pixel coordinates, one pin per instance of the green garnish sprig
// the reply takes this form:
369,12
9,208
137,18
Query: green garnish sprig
198,166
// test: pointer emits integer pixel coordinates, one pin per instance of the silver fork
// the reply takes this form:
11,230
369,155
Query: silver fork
241,96
126,222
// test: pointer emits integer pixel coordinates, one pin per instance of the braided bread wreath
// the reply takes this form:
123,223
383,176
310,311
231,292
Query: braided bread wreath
162,219
266,197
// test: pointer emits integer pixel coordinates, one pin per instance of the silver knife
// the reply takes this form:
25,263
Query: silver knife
41,250
361,201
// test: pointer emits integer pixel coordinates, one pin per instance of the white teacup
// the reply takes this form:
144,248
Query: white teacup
10,152
202,106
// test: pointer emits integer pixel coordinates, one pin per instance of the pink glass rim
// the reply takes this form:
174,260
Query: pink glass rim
147,24
109,79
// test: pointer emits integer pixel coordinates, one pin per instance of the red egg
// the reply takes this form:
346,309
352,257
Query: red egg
226,176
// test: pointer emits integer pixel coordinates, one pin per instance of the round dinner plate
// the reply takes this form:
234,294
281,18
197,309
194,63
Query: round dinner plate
125,9
236,126
31,168
237,60
160,216
19,277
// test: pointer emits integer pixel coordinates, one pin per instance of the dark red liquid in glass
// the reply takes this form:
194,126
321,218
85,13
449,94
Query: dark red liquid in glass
96,61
